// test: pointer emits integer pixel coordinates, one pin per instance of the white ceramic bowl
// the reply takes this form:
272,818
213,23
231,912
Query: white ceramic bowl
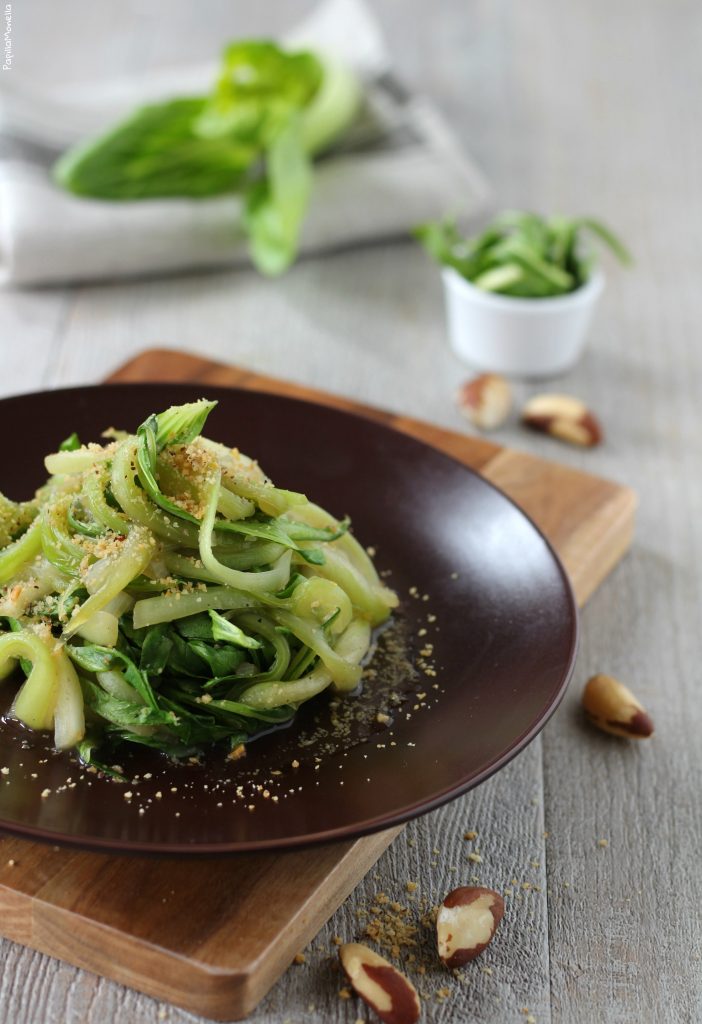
522,337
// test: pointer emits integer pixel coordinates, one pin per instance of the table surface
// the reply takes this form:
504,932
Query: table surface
581,107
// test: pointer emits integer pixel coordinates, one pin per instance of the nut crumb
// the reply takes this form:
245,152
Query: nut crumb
411,886
299,958
11,863
603,842
475,857
470,835
45,793
345,993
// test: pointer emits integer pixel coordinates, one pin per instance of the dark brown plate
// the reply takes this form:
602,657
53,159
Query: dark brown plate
500,619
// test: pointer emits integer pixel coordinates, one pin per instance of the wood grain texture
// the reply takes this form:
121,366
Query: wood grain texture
210,937
213,959
581,107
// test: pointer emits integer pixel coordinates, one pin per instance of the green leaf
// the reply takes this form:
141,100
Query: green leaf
227,632
180,424
71,443
123,712
187,660
219,661
295,580
155,153
276,205
94,658
195,627
608,237
285,532
259,86
156,649
85,753
80,525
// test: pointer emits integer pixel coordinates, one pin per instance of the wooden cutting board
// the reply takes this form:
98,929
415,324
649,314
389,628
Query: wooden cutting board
214,936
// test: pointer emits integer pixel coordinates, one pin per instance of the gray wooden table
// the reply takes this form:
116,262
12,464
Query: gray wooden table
580,107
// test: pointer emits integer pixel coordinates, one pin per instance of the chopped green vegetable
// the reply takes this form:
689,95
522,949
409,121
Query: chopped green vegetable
150,596
521,254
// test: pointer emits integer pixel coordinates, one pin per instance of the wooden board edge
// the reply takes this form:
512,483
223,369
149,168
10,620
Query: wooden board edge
184,981
301,929
618,524
167,366
590,548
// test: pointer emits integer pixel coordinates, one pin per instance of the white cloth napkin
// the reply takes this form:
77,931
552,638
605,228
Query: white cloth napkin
398,166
